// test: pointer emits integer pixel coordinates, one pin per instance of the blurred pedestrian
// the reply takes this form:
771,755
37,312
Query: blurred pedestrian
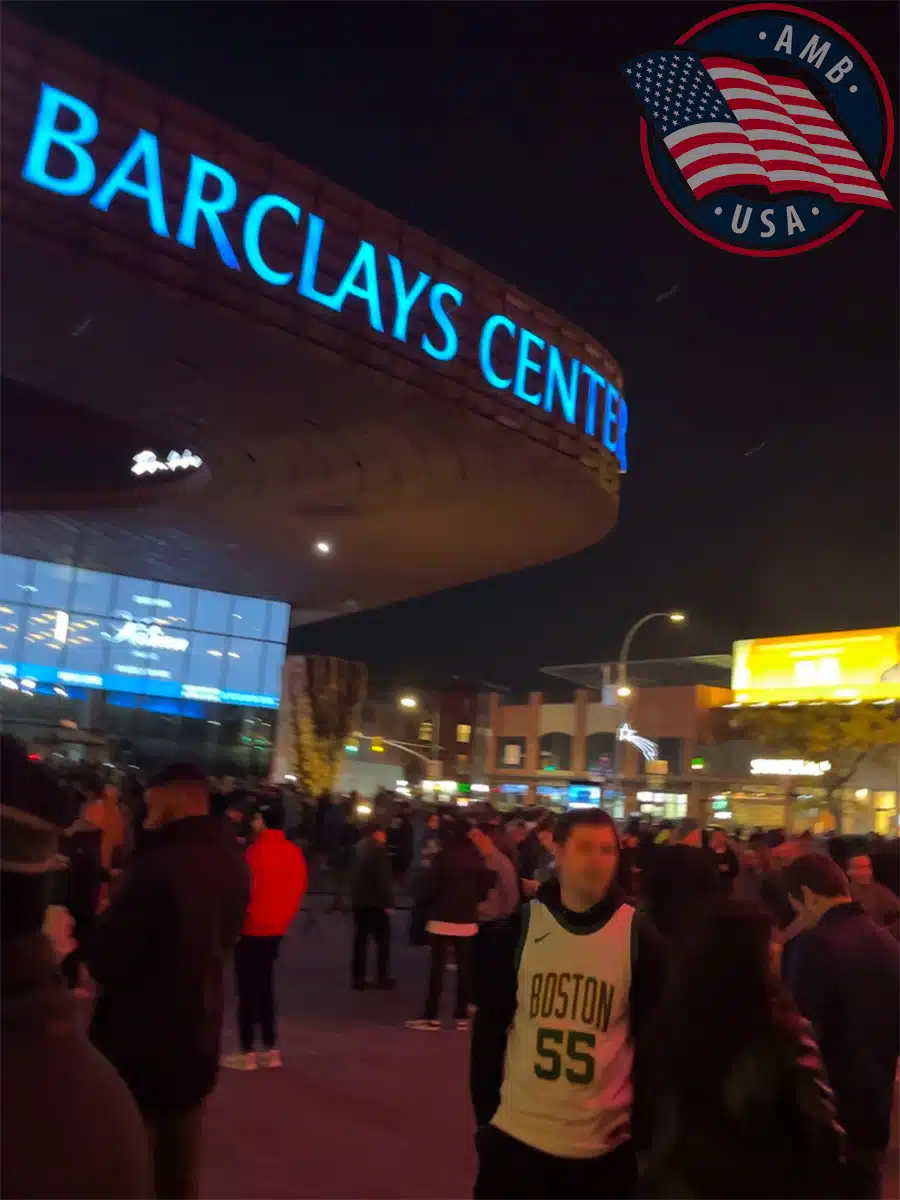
456,884
339,833
739,1105
876,900
68,1124
278,881
158,953
427,843
400,845
372,892
78,884
501,900
845,977
630,859
724,860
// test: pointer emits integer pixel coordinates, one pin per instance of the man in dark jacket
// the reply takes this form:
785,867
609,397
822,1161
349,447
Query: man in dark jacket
158,954
68,1125
456,883
79,884
565,995
373,903
845,976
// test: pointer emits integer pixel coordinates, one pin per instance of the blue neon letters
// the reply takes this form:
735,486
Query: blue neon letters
538,373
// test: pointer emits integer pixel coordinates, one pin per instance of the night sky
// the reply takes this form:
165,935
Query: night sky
762,495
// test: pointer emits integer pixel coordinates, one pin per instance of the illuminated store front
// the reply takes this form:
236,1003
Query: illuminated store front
148,668
850,668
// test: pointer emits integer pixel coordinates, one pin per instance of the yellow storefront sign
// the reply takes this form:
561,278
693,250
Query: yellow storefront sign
859,664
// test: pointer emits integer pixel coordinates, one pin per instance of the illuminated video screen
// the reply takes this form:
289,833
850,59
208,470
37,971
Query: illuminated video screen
70,626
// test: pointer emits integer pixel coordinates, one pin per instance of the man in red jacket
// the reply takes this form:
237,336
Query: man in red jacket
278,884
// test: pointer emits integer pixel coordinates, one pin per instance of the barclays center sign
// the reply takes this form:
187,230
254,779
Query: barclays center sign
59,159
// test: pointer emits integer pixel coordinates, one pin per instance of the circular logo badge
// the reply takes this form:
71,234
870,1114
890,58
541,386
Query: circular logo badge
767,130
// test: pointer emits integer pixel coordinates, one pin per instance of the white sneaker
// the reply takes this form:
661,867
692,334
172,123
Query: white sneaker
240,1062
270,1058
463,1023
424,1026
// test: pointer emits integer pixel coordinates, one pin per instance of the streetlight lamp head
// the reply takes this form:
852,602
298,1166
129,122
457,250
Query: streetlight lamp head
322,547
408,702
677,618
623,691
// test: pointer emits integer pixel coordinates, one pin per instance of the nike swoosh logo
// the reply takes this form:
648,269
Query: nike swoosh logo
541,938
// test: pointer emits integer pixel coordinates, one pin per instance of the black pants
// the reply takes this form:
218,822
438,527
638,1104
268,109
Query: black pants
371,923
482,946
462,952
254,969
175,1152
510,1170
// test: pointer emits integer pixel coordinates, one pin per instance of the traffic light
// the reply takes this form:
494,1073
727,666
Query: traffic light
377,746
352,745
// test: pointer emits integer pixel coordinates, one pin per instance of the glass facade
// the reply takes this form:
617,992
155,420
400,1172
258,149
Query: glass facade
107,668
69,626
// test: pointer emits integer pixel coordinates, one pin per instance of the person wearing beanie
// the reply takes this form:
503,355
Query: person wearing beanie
158,955
278,880
68,1124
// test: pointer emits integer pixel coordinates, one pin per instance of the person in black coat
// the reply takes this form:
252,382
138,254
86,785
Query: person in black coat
455,884
739,1105
372,898
845,976
78,885
68,1124
158,953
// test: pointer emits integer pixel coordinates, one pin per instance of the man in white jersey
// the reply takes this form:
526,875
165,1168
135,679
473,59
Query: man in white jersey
570,978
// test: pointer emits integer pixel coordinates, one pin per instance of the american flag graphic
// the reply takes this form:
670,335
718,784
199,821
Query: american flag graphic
726,123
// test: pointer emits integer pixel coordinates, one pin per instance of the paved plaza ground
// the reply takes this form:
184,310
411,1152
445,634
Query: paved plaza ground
363,1108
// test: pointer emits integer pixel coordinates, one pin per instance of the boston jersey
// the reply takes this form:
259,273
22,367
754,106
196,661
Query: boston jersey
567,1076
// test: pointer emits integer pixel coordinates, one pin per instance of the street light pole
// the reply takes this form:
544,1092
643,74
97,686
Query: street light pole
410,703
623,690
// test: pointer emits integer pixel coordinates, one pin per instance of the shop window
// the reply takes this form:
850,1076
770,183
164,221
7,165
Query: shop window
671,750
464,734
886,813
600,749
556,751
670,806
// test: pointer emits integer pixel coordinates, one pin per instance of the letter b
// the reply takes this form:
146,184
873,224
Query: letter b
46,135
841,68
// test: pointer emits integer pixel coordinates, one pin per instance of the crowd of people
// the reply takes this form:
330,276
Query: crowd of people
665,1011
